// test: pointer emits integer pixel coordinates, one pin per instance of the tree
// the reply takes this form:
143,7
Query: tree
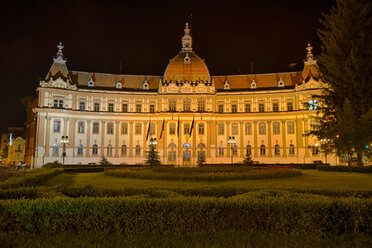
5,152
152,156
345,64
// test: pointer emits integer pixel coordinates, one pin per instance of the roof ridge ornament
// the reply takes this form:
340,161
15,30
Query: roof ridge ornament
309,57
59,58
187,40
187,59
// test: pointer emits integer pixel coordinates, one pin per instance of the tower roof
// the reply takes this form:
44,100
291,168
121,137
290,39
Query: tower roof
58,68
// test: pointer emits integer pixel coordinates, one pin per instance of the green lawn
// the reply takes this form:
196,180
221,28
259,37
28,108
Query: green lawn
311,179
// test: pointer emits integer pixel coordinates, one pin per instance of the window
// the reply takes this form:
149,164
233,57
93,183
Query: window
55,149
124,108
248,150
234,128
110,107
275,107
124,128
277,150
96,106
261,107
291,149
80,127
234,108
138,128
123,150
247,108
262,150
56,126
152,128
186,128
221,150
201,128
109,150
289,106
110,128
235,150
80,149
81,106
186,105
314,126
95,127
58,103
172,153
138,108
172,105
138,150
220,108
152,108
262,129
290,127
201,105
172,128
276,128
248,128
95,149
313,104
221,129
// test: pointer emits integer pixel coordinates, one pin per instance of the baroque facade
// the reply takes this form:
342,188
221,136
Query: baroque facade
190,113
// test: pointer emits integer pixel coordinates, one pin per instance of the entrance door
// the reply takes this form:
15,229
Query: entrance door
186,158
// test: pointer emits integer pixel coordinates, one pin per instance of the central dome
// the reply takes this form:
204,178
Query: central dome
187,66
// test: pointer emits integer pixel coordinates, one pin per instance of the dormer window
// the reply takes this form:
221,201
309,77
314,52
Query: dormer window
281,83
253,84
91,82
186,60
118,85
226,85
145,85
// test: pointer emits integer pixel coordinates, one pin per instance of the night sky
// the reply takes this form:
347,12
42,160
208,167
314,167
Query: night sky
144,35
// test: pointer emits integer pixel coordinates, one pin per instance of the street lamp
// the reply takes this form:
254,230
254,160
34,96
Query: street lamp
64,142
153,142
232,143
325,142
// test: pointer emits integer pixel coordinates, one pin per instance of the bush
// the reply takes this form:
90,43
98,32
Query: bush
54,164
28,193
342,168
30,178
104,161
83,169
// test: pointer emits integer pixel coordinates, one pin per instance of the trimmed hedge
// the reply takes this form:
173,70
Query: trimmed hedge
84,169
342,168
280,213
30,178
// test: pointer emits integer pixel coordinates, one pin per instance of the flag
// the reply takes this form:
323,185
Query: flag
192,125
178,127
148,130
162,130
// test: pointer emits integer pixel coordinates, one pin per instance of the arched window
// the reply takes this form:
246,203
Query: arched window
80,149
277,150
290,127
262,150
138,150
110,128
55,149
201,105
109,150
201,145
186,145
291,149
172,153
186,105
172,105
248,150
221,150
123,150
95,149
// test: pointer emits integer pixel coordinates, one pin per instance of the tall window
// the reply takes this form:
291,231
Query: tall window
234,108
186,105
172,105
152,108
247,108
96,106
186,128
201,105
109,150
95,149
81,106
290,106
291,149
276,128
55,149
262,129
261,107
110,107
80,127
262,150
234,128
95,127
275,107
138,150
248,128
138,129
172,128
313,104
138,108
221,129
125,108
221,150
123,150
56,126
201,128
290,127
152,128
110,128
220,108
80,149
172,152
124,128
248,150
277,150
58,103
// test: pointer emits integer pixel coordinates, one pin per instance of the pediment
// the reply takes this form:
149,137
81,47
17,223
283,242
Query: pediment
58,83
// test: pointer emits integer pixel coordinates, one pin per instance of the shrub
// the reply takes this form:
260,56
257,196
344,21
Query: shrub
30,178
104,161
83,169
54,164
341,168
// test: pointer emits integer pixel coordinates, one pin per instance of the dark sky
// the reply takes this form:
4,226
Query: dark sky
144,35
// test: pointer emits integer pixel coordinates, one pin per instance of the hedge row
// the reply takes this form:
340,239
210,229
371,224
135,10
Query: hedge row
191,214
84,169
30,178
342,168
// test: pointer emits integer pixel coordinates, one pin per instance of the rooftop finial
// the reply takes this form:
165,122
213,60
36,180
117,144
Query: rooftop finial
187,40
59,58
309,57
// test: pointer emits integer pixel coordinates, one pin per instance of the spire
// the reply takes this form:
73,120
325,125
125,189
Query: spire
58,68
59,58
309,57
187,40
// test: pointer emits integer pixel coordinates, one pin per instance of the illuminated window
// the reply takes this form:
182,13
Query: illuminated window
290,127
220,108
138,130
234,129
276,107
201,105
110,128
186,105
125,108
80,127
172,128
221,129
291,149
124,128
110,107
261,107
277,150
262,150
289,106
276,128
201,128
313,104
172,105
81,106
262,129
56,126
95,149
234,108
80,149
55,149
96,106
247,108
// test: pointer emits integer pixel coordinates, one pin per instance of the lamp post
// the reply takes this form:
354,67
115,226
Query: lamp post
64,142
153,143
325,142
232,143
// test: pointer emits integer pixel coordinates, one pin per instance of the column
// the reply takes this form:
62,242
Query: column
47,137
194,142
131,135
307,152
117,134
208,139
65,124
144,135
269,139
241,139
71,136
87,149
227,138
103,138
255,154
164,140
284,141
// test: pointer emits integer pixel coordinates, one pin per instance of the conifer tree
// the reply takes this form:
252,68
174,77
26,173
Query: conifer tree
152,156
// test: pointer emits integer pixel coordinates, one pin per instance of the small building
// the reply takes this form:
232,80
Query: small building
12,146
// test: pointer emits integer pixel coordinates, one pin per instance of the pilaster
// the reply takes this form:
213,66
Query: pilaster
269,139
284,140
255,154
87,149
